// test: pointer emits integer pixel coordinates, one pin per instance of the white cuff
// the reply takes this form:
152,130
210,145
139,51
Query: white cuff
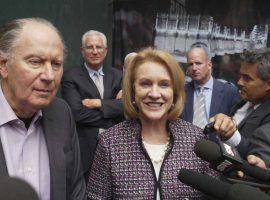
235,139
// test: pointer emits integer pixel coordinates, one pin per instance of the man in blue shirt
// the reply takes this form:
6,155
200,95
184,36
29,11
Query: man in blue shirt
218,97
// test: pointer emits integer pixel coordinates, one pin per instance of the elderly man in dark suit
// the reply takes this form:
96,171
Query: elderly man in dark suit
217,96
93,93
247,128
39,142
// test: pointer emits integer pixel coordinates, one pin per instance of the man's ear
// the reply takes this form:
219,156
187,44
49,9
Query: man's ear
3,65
267,85
210,63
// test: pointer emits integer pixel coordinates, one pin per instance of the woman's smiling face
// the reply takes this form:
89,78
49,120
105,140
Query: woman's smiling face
153,92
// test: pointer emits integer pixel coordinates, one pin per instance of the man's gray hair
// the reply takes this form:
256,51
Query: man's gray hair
9,33
94,32
203,46
260,57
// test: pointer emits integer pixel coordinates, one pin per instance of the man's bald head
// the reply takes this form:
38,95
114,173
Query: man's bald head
10,33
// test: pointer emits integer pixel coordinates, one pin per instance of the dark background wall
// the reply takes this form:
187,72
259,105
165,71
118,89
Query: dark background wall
71,17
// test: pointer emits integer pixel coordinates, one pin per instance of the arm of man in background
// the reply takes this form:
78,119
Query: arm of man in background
74,91
96,103
259,143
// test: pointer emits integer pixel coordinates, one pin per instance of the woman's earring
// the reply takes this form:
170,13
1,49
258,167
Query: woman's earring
133,102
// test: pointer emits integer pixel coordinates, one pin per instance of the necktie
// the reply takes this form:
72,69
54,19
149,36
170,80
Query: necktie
199,110
99,84
249,110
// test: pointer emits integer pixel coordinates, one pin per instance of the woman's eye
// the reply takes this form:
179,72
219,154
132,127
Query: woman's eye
164,84
145,83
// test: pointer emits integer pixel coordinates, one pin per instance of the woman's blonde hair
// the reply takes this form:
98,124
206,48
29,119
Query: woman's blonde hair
177,75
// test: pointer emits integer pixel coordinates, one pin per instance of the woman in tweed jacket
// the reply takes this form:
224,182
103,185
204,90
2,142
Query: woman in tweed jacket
140,158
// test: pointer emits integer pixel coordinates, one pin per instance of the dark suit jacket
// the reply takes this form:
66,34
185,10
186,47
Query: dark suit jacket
224,96
260,143
66,175
248,128
77,85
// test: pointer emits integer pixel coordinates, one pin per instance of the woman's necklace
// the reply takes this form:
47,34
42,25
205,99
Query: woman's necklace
156,152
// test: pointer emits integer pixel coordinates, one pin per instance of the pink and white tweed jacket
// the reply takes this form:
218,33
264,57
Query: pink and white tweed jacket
122,168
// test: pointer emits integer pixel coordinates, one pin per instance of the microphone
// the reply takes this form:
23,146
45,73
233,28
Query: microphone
219,189
226,159
12,188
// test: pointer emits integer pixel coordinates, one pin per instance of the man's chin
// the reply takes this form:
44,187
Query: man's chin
41,103
243,97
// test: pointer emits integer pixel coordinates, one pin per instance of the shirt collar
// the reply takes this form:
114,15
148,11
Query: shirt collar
249,104
9,113
92,72
207,85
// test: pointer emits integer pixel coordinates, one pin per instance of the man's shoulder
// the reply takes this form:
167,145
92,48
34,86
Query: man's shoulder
74,69
58,101
226,86
265,106
57,105
109,69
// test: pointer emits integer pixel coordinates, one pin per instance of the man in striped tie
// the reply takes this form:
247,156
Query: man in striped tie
205,95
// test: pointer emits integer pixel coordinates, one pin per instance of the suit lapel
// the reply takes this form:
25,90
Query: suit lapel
217,96
254,114
107,81
56,154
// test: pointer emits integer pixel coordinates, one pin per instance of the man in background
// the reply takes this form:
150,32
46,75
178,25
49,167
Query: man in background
39,143
205,95
247,125
127,60
91,90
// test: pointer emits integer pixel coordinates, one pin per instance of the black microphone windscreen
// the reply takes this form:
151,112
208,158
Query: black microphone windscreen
207,150
245,192
14,188
219,189
226,159
206,184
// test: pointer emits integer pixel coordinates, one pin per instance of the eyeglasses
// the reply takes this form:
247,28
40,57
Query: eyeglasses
92,48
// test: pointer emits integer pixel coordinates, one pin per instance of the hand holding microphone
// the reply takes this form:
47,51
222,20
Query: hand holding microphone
224,125
226,159
219,189
255,161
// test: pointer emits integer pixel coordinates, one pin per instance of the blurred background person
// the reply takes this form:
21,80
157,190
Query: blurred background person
127,60
248,123
140,158
205,95
92,90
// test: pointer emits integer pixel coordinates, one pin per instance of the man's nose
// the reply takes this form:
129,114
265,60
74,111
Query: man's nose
94,50
194,66
48,73
240,82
